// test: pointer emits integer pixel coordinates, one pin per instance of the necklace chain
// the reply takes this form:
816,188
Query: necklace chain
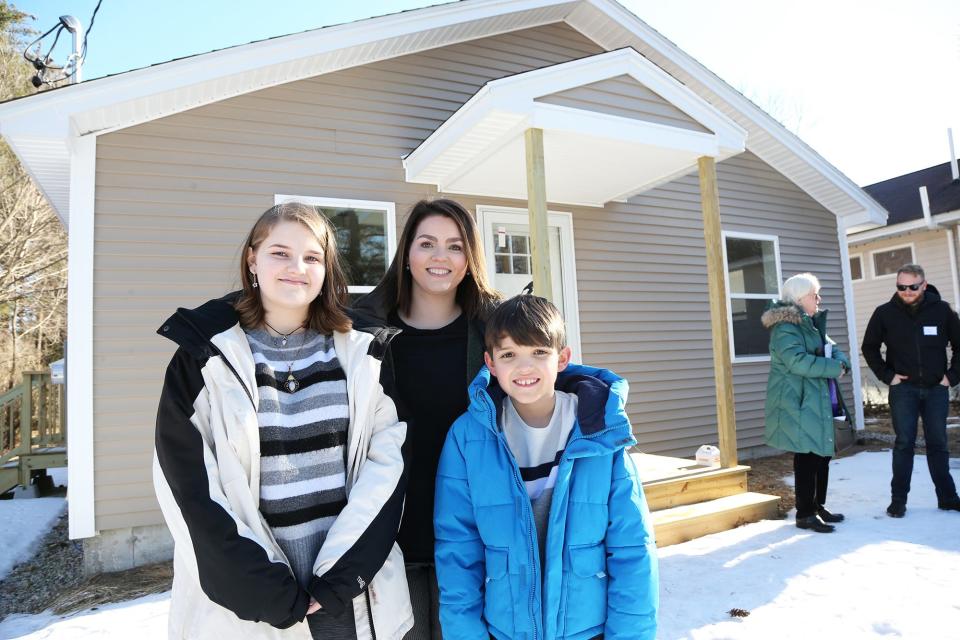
291,384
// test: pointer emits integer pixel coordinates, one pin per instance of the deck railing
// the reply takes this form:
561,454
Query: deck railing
31,416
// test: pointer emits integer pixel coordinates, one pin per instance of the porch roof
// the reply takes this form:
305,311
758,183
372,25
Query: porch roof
591,157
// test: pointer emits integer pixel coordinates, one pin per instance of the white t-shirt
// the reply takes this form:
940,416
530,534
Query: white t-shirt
538,449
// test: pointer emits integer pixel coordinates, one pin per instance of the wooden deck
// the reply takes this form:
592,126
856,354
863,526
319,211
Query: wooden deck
688,500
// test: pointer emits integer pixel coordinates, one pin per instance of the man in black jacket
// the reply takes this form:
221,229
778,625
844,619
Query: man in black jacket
916,326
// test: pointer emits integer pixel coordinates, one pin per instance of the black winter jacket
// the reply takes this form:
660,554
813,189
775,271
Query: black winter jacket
916,341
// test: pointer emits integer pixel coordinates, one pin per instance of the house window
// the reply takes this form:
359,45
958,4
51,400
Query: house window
856,268
753,280
889,261
512,252
366,236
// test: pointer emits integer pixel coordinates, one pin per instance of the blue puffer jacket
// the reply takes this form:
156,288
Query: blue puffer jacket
601,569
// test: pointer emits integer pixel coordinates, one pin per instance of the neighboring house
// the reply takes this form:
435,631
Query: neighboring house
159,172
910,235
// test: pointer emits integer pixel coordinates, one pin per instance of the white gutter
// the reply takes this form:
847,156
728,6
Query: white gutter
953,267
851,316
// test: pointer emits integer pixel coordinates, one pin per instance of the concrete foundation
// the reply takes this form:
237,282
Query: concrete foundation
121,549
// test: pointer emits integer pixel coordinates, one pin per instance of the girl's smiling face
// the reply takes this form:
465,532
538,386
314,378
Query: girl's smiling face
290,269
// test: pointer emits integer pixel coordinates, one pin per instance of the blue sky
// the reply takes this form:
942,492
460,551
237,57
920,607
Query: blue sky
871,86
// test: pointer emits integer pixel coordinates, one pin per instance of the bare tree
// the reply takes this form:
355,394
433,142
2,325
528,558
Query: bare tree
33,243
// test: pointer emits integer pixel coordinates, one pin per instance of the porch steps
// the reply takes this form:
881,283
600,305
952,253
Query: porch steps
688,500
690,486
686,522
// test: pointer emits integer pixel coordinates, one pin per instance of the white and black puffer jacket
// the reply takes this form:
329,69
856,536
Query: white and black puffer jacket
231,579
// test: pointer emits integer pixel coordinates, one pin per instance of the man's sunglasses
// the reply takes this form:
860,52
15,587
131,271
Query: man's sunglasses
912,287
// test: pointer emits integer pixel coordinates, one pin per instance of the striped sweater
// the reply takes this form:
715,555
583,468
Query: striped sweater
302,438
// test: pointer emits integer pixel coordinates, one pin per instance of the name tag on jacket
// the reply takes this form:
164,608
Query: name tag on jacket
929,331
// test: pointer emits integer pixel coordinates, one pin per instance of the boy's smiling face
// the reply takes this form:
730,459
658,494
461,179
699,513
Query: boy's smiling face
527,374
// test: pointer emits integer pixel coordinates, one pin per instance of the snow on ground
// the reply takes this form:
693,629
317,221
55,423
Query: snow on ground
24,523
876,577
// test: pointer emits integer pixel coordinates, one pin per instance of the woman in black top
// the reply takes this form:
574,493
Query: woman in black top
436,293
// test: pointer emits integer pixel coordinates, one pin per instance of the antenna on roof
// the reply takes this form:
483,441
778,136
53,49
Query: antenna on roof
954,172
49,72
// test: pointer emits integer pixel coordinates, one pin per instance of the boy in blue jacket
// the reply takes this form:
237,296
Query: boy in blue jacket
542,530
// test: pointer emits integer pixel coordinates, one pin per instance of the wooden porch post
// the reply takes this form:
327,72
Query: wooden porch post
722,368
537,207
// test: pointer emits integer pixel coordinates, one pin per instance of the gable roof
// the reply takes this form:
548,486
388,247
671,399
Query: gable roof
900,196
43,129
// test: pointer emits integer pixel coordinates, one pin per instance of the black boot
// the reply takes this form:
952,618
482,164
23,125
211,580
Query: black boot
950,504
814,523
827,516
897,509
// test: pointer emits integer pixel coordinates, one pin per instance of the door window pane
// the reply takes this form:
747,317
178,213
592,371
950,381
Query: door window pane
890,261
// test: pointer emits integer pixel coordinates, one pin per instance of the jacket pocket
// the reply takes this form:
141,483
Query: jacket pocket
586,588
498,601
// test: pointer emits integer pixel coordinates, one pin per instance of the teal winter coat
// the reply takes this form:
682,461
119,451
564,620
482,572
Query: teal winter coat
799,414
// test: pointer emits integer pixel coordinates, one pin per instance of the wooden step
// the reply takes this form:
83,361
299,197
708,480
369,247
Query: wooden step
695,485
683,523
9,476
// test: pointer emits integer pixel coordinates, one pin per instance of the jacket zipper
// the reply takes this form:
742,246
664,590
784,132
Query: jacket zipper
373,631
530,550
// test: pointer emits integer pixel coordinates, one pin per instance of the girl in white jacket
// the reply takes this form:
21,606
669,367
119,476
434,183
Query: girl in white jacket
279,457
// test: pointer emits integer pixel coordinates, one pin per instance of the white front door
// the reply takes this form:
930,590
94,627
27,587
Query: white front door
506,244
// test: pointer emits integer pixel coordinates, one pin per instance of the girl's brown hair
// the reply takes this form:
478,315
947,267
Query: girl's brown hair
475,295
327,312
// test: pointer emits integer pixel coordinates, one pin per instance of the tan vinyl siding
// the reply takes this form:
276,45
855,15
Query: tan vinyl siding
931,250
175,197
624,97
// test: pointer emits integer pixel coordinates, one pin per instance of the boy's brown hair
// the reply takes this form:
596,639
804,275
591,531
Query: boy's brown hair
530,321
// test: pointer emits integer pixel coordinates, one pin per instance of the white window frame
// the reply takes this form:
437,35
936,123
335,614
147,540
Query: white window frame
747,296
563,220
863,272
391,220
887,276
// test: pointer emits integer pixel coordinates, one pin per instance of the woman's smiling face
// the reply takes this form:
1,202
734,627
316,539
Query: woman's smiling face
437,257
290,268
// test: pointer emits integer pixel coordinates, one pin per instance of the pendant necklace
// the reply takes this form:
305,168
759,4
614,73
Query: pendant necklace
291,384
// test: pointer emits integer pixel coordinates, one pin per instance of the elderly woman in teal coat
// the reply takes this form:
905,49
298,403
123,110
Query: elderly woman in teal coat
803,398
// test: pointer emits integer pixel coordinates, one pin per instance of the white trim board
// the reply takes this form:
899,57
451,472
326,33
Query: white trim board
79,360
564,220
900,228
724,234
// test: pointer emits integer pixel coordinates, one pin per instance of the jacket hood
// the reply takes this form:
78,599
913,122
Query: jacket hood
781,311
192,329
601,404
930,296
